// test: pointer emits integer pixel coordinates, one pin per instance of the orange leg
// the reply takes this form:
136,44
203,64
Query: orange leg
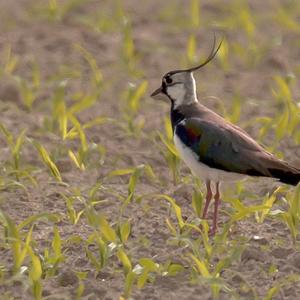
217,201
208,198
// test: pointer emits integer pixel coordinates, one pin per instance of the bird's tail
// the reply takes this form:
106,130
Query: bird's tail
287,175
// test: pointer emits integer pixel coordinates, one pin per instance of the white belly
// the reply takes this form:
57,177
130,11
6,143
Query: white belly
201,170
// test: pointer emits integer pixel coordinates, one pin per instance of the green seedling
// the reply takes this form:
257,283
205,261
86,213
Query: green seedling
73,215
291,217
195,15
97,77
35,274
286,16
191,51
288,120
10,62
54,256
15,145
223,54
131,106
128,48
80,289
168,150
30,89
54,10
208,267
46,159
268,201
135,174
146,271
13,239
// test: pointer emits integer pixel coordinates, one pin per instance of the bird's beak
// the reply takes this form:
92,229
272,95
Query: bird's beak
157,92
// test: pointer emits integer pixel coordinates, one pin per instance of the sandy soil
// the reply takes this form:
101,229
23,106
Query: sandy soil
160,44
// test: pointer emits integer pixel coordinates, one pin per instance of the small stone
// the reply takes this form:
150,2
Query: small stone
260,240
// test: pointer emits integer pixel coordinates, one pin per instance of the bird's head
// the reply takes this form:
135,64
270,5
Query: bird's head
179,86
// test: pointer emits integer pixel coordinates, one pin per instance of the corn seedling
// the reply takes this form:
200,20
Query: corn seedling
54,10
195,16
169,151
35,274
287,120
132,98
46,159
97,77
15,146
290,217
10,62
30,89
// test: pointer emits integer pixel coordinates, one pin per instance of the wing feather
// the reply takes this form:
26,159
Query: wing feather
223,147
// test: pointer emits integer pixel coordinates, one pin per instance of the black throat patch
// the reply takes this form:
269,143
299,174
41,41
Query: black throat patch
176,116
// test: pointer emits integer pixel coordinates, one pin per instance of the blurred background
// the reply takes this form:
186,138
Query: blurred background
80,137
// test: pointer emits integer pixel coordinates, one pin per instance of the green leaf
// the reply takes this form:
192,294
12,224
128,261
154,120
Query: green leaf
129,281
169,145
20,258
268,202
125,229
80,131
174,269
17,147
47,160
168,128
56,243
73,157
133,179
80,106
171,226
9,137
35,272
96,121
120,172
94,261
134,100
149,172
282,124
197,202
97,74
272,292
191,48
142,279
107,231
195,13
124,260
201,266
149,264
223,54
32,219
175,207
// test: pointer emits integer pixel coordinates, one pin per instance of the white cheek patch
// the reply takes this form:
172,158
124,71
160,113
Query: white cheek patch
177,93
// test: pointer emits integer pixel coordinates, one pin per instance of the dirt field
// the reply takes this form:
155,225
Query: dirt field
52,54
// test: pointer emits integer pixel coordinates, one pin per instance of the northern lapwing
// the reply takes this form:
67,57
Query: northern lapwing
213,148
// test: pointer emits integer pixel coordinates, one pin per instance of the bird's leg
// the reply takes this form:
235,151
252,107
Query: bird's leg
215,217
208,198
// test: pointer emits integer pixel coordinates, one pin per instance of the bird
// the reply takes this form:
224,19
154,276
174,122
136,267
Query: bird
214,149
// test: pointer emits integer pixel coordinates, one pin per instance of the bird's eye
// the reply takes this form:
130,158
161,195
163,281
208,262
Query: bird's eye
169,80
